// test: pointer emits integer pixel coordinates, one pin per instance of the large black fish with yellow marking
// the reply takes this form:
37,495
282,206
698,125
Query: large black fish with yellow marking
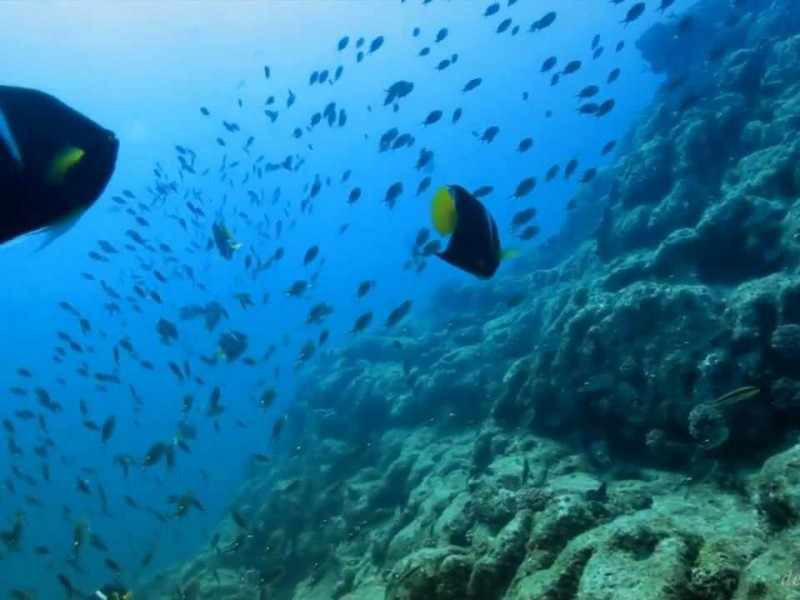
54,162
474,244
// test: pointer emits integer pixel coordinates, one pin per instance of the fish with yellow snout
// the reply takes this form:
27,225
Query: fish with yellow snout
474,244
54,163
224,240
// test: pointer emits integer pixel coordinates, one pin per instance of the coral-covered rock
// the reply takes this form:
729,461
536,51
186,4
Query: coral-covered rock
495,570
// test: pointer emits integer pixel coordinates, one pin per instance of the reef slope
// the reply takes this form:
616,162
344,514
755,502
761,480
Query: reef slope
557,433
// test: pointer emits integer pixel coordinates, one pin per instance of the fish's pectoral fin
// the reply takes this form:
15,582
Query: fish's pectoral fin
59,228
50,233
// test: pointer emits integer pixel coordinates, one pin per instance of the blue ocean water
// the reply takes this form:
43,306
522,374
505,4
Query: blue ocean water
144,70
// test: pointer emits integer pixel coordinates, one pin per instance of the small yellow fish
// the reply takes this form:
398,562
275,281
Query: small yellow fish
737,395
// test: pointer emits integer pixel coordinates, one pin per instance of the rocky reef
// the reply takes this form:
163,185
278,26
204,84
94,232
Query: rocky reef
614,418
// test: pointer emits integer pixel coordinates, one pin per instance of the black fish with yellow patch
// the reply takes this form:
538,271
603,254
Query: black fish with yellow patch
54,162
474,244
224,240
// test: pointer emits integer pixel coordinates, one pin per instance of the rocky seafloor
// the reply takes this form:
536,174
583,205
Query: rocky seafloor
558,432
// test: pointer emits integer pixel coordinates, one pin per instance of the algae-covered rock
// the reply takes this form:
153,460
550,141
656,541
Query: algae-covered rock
674,549
775,490
495,570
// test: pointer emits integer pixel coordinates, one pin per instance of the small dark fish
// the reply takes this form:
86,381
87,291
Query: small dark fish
606,106
548,64
589,175
570,168
634,12
364,288
609,146
277,427
376,44
529,232
361,323
665,4
522,217
525,187
238,518
433,117
298,288
423,185
69,589
398,314
393,193
504,25
310,255
572,66
489,134
354,196
492,9
108,429
543,23
472,84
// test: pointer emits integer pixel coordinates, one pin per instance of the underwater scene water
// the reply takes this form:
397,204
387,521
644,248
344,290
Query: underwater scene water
404,300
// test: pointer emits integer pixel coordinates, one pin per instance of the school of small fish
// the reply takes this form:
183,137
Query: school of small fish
182,219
